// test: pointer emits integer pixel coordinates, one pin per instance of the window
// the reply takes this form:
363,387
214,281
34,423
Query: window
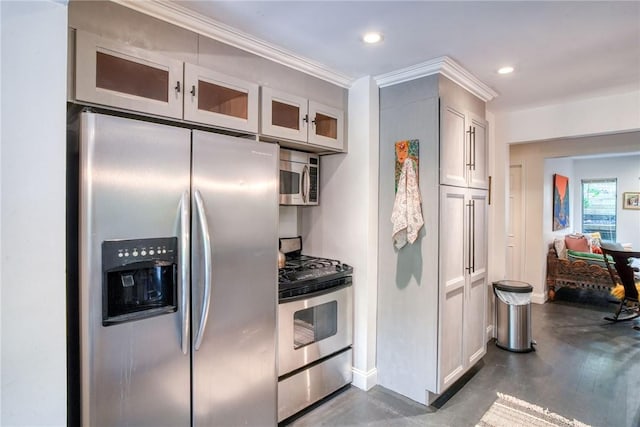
315,323
599,207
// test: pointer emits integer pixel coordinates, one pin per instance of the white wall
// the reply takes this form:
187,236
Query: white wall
626,170
594,116
344,225
33,282
289,221
537,190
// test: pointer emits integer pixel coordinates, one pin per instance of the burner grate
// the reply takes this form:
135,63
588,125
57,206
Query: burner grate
305,274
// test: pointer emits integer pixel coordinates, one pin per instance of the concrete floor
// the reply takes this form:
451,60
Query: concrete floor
584,368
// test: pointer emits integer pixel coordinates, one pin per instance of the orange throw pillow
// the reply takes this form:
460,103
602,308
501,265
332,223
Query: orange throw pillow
596,250
577,243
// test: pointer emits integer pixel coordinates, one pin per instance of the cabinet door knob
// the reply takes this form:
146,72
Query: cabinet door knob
193,90
177,88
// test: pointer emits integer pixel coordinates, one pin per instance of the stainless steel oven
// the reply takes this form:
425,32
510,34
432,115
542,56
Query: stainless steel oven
315,328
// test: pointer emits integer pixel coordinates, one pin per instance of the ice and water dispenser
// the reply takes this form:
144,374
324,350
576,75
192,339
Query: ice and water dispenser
139,279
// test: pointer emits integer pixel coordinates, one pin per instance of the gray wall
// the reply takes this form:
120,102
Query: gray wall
408,278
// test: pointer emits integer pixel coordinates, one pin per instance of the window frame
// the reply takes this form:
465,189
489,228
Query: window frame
611,233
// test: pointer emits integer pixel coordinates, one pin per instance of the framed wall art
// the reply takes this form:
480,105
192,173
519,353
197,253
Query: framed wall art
560,202
406,149
631,200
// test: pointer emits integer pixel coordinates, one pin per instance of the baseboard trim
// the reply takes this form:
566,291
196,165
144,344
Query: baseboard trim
539,298
489,333
364,380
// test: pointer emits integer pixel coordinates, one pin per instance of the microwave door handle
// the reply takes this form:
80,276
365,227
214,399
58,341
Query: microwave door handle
206,246
184,270
305,182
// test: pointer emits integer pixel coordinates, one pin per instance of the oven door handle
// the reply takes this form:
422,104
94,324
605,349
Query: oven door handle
206,246
321,292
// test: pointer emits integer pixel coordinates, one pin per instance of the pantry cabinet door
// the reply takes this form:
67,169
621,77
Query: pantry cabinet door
475,307
220,100
454,150
453,265
478,171
109,73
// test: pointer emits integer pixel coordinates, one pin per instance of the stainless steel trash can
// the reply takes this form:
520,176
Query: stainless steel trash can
513,312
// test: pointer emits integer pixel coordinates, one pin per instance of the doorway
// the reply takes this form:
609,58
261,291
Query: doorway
515,224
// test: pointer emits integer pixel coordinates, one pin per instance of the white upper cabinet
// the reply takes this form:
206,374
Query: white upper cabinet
299,119
217,99
283,115
125,77
453,147
478,171
463,148
113,74
326,127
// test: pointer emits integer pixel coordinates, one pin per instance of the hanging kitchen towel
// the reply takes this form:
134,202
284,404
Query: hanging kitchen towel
407,212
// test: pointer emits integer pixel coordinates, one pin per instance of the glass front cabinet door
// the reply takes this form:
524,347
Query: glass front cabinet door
284,115
217,99
109,73
326,127
299,119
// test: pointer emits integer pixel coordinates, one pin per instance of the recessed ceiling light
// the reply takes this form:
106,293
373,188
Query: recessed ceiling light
372,37
505,70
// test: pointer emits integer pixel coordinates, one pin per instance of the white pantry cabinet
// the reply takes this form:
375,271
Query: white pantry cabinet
463,282
463,155
432,295
299,119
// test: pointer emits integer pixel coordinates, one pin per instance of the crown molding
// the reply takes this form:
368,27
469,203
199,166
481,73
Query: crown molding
175,14
442,65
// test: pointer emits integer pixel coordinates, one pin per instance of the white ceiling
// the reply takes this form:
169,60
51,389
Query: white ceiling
561,50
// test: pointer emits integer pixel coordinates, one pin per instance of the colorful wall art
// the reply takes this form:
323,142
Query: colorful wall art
406,149
560,202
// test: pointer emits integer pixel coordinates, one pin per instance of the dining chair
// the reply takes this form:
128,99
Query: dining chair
622,273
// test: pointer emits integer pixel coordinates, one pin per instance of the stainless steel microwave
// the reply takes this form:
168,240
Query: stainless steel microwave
299,178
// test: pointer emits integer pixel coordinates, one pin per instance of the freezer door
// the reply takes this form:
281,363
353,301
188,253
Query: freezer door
134,184
234,307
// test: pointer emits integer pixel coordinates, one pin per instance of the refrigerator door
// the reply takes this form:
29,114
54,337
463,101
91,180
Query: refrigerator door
234,320
134,184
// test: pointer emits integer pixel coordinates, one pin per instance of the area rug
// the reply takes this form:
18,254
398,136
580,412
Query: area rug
509,411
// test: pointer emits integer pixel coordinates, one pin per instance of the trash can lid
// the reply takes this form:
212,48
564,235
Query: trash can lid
512,286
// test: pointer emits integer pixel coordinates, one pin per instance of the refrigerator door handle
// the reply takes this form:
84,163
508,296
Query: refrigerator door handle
206,243
184,270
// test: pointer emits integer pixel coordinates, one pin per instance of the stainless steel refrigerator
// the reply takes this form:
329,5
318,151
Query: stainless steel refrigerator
178,275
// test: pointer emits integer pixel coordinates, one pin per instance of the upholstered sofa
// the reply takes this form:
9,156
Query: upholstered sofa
577,270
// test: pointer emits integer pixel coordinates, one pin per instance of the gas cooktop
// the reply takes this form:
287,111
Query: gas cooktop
305,268
303,274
